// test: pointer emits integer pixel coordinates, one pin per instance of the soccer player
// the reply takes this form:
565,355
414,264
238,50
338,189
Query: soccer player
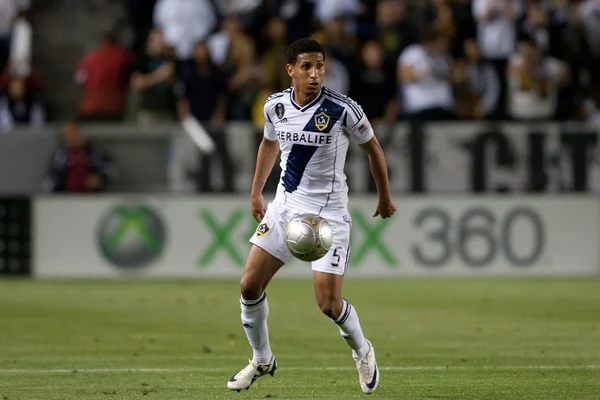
312,125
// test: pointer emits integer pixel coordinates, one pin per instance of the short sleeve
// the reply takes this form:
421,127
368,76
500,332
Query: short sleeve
357,124
269,132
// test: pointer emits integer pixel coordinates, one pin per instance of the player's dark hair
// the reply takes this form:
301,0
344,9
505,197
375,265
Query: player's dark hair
301,46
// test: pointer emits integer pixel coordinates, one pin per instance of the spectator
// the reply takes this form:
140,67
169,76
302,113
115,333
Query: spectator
247,10
496,34
140,18
336,75
337,42
104,76
478,86
153,82
33,82
464,24
78,166
9,10
442,20
184,23
275,77
589,17
296,14
374,89
237,6
20,107
234,51
559,14
201,90
537,25
394,32
327,11
535,80
424,74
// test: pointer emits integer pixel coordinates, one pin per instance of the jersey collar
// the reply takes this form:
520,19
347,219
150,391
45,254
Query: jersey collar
309,105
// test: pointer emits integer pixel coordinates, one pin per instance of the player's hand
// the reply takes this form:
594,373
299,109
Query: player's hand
258,207
385,208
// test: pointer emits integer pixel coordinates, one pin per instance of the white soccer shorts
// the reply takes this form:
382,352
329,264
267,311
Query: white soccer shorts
270,236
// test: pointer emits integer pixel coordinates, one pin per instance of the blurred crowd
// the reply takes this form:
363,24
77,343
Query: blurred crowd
400,59
20,85
218,60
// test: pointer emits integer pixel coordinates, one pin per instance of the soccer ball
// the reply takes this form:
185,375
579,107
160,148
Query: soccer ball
308,237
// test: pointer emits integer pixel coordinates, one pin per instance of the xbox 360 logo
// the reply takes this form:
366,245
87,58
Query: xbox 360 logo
131,236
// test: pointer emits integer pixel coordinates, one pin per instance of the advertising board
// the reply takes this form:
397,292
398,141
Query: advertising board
194,237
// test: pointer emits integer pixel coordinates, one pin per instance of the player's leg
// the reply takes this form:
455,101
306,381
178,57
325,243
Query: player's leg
328,281
267,255
328,291
260,269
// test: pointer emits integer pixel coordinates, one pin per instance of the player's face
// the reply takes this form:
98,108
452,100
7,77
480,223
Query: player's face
308,72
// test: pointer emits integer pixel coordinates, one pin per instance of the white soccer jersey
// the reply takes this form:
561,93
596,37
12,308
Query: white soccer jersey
314,141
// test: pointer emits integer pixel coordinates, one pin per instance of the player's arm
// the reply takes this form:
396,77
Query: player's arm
359,128
385,205
265,160
267,154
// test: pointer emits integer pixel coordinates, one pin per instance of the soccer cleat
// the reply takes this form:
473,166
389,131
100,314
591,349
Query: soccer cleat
253,371
367,371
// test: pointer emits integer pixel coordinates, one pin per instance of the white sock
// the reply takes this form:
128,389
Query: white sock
254,320
351,331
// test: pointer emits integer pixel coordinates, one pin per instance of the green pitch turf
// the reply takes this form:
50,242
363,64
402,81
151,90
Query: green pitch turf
434,339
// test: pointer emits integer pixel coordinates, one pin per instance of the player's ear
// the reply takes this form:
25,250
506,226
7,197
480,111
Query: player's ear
290,70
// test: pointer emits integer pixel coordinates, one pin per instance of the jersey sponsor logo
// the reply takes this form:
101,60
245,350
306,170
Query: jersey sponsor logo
308,138
322,121
280,110
262,229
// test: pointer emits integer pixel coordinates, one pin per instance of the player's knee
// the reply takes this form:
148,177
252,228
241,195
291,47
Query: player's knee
250,288
330,307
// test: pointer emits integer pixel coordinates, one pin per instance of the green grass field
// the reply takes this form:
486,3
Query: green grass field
434,339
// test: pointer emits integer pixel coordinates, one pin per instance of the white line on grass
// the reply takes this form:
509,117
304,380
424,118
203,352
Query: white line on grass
306,369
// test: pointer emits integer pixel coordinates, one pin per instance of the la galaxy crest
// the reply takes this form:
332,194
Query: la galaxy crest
321,121
262,229
279,110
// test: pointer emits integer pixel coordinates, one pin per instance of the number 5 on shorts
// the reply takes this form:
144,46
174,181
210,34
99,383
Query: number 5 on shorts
337,257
